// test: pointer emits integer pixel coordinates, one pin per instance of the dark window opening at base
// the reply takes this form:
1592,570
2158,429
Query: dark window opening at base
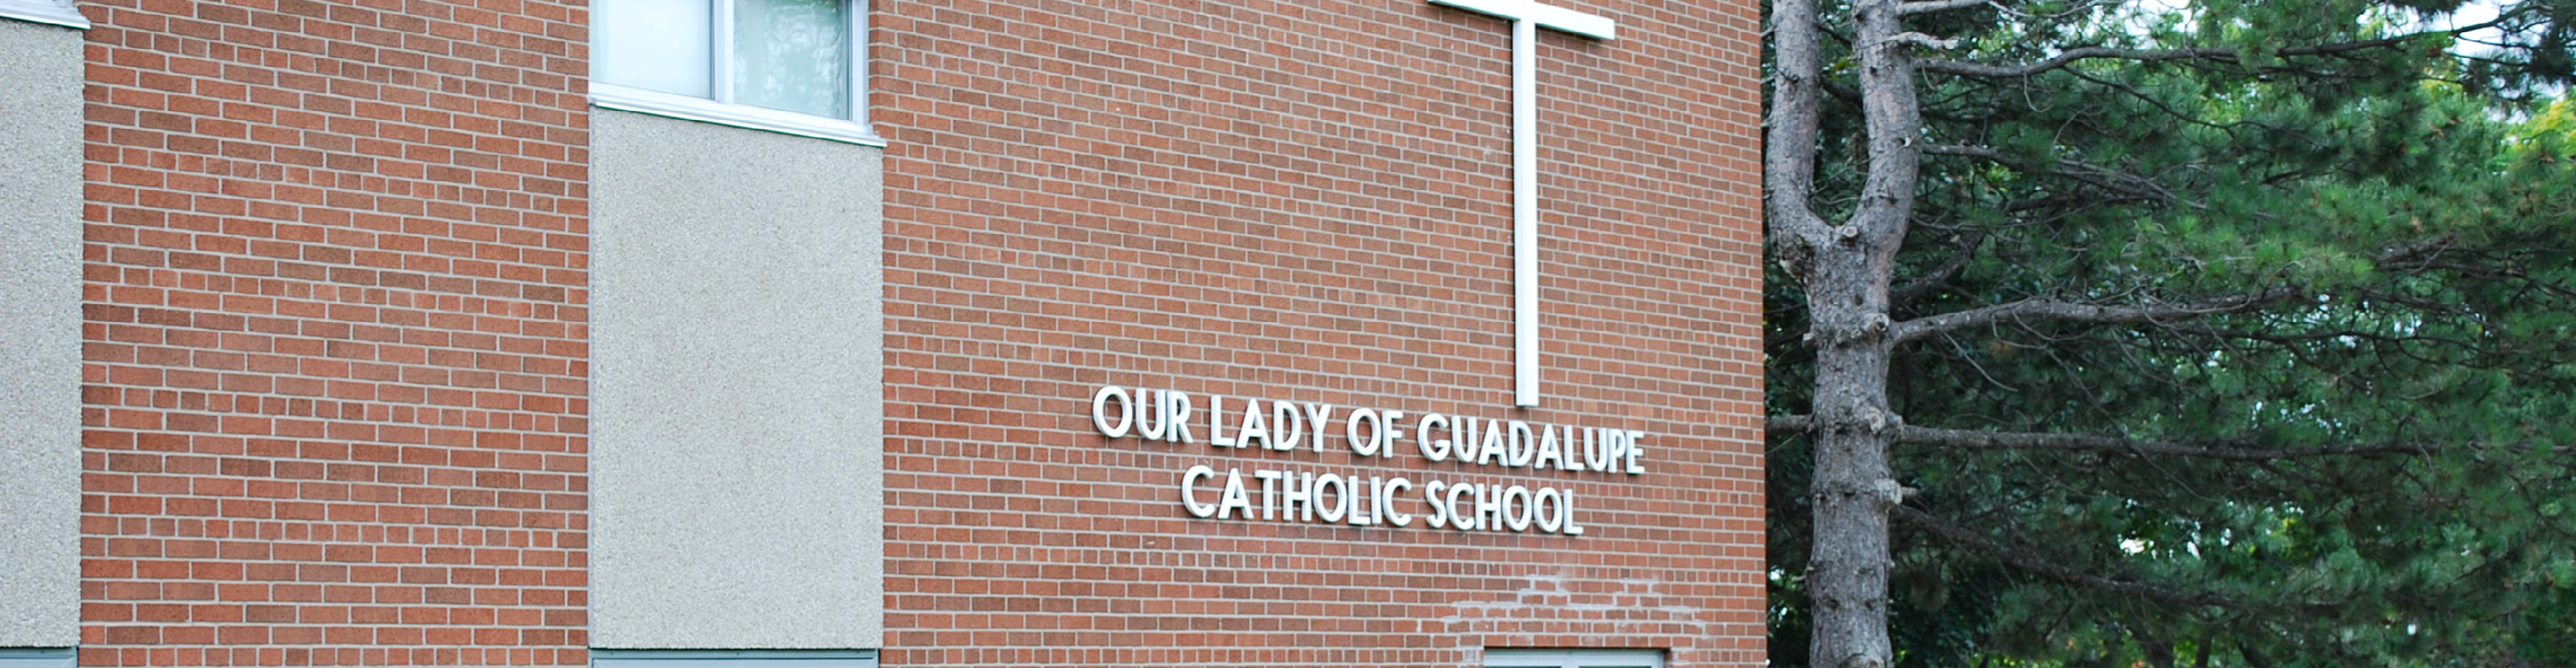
695,658
1574,658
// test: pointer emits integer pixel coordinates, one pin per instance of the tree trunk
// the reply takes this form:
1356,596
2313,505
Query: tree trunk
1847,568
1846,270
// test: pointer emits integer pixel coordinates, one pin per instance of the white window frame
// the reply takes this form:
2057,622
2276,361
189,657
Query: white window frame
674,658
1573,658
722,110
48,12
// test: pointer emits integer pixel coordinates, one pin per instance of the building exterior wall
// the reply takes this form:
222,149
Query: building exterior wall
738,497
1309,201
40,325
335,380
321,278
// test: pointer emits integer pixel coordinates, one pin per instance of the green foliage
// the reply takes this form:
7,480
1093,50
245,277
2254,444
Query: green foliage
2423,208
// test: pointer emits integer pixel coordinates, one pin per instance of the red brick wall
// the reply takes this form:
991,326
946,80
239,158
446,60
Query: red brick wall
1308,200
335,339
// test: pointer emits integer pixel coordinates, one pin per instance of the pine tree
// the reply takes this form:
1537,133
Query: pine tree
2214,333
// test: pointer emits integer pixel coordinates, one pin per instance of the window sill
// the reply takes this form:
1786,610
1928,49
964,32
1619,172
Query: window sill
642,101
46,12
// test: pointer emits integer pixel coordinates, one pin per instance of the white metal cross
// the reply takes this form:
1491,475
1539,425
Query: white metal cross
1527,16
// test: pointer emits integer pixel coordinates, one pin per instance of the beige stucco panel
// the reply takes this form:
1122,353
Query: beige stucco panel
737,491
40,334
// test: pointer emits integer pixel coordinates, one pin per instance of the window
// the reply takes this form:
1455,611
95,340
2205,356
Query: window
794,66
36,658
51,12
654,658
1574,658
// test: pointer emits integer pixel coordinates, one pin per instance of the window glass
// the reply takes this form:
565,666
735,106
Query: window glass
656,45
36,658
793,55
787,66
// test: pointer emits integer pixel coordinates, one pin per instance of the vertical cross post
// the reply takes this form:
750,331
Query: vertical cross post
1527,16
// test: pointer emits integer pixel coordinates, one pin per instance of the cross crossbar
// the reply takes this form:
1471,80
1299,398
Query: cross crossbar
1589,25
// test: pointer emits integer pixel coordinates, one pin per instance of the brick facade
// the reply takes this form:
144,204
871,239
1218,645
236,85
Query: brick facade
1308,201
335,347
336,344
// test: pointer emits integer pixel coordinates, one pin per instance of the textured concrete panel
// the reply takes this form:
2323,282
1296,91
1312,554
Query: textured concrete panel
40,320
737,492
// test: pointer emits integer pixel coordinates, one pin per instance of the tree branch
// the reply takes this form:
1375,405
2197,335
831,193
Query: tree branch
2068,57
1971,439
2080,312
2286,338
1789,164
1932,281
2223,54
1930,6
1789,424
2021,559
2421,249
1892,121
2098,176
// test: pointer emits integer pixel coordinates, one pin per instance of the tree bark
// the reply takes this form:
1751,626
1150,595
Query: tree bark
1847,270
1848,565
